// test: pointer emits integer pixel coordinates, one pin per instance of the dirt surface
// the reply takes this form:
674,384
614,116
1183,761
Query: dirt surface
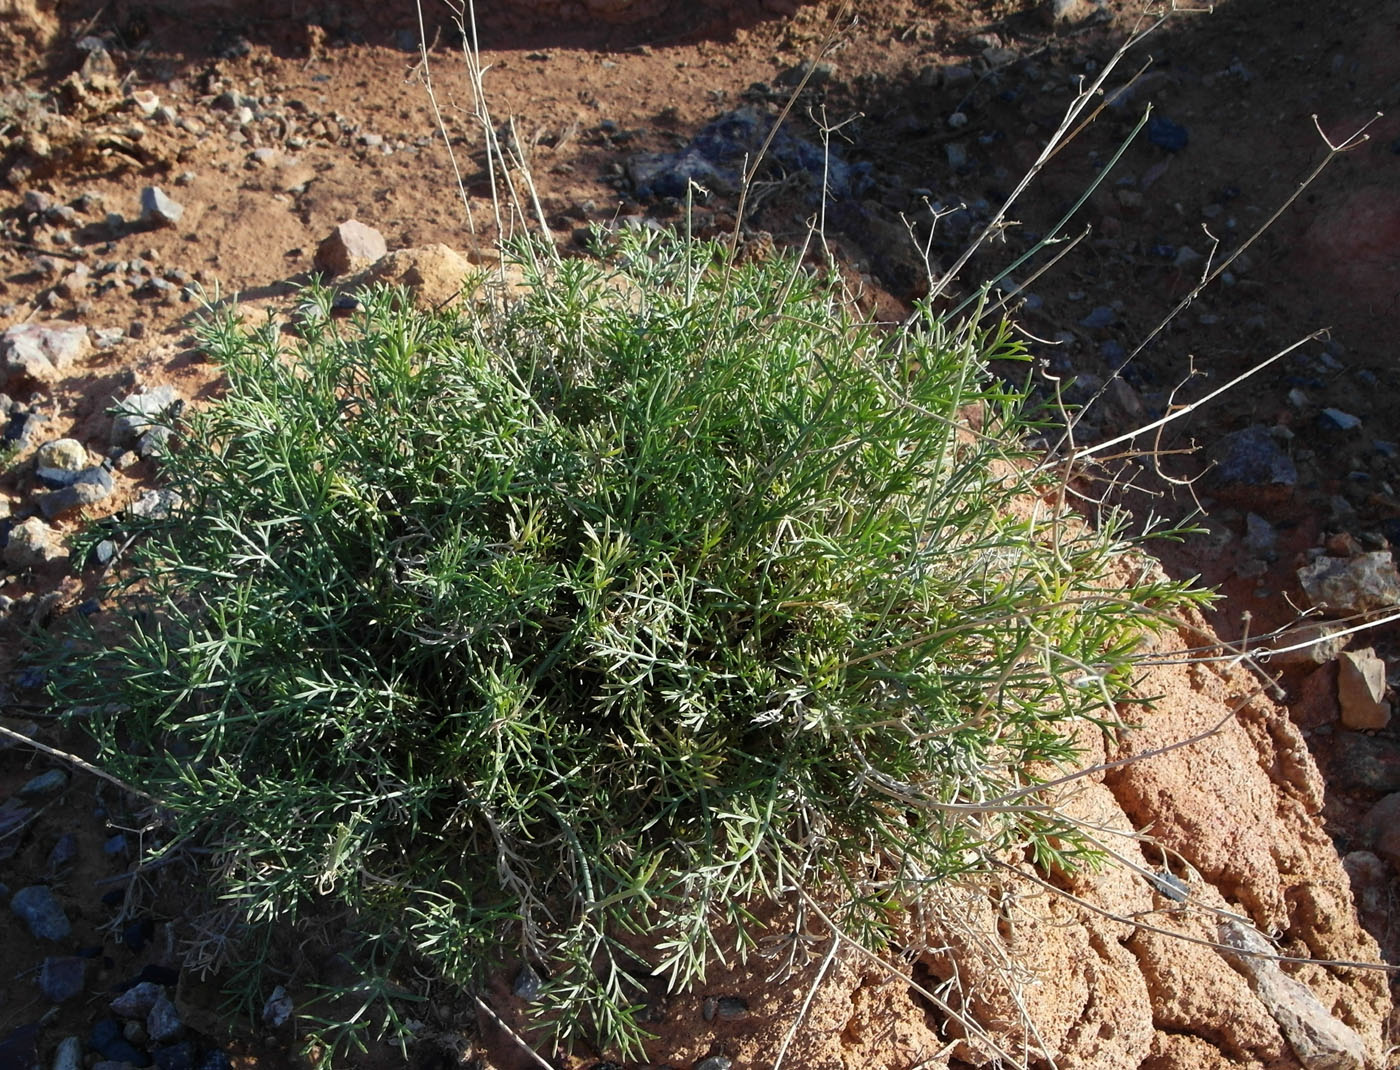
269,124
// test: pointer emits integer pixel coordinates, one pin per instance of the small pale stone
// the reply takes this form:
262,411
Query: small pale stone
1320,1041
32,544
350,247
159,210
1361,690
59,462
1352,585
69,1055
40,352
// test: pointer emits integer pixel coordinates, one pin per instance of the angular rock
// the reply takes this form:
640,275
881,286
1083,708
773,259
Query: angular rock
1315,643
44,784
59,462
39,353
1361,690
433,274
138,1000
62,977
158,210
1351,584
1379,828
32,544
350,247
154,505
1251,458
1320,1041
92,486
69,1055
163,1023
1056,12
38,908
1368,763
277,1009
64,851
175,1056
107,1040
138,413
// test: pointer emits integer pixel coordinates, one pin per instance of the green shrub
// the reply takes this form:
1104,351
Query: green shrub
587,625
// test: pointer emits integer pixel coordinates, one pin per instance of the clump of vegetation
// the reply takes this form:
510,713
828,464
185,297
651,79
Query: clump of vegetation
579,629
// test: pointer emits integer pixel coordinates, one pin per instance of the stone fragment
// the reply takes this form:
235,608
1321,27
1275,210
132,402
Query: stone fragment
158,210
1361,690
175,1056
433,274
44,784
1320,1041
140,412
1367,763
1379,829
37,907
1057,12
154,504
59,462
1351,584
69,1055
138,1000
277,1009
1251,458
350,247
163,1023
1165,134
1315,643
92,486
32,544
62,977
39,353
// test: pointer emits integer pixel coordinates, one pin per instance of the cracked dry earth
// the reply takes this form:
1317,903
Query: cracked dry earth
267,125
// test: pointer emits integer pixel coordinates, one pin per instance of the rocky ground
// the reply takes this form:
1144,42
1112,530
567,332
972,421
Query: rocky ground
153,152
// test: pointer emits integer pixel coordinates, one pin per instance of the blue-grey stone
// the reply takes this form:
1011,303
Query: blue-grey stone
37,907
64,851
62,977
159,210
1166,134
137,1001
1337,420
175,1057
1251,456
44,784
163,1023
106,1039
1099,316
69,1055
115,846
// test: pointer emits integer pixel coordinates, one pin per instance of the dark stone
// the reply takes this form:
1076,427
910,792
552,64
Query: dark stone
44,784
24,427
215,1060
64,851
107,1040
37,907
62,977
1252,457
163,1023
93,486
175,1056
1166,134
1369,763
137,1001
